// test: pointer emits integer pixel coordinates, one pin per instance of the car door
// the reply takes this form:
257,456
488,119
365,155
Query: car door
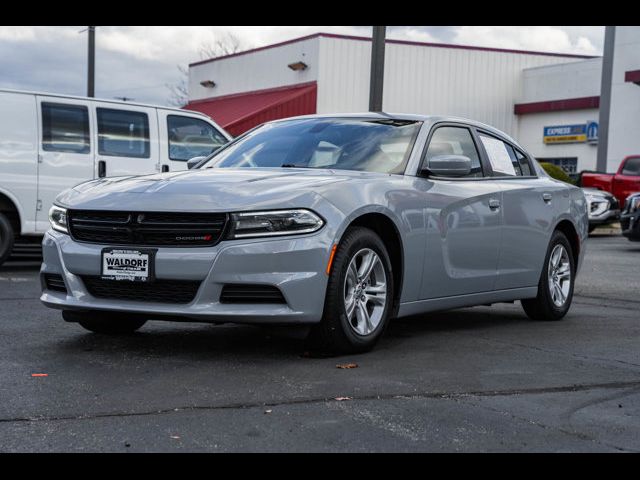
463,224
66,153
627,180
184,136
527,213
126,140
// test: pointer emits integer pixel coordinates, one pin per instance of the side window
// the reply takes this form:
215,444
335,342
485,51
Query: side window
502,157
191,137
455,141
525,166
631,166
65,128
123,133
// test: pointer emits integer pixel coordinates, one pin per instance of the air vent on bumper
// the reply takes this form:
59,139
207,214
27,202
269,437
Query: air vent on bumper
54,282
242,293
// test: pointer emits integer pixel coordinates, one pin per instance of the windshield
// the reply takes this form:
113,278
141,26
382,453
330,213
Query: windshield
369,145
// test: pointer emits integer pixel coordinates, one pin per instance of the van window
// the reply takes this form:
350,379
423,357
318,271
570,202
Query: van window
191,137
65,128
123,133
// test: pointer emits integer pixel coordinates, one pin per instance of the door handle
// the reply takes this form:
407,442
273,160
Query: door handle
165,168
102,169
547,197
494,203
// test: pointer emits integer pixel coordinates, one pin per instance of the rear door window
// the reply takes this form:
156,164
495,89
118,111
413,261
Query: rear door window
65,128
631,167
123,133
502,157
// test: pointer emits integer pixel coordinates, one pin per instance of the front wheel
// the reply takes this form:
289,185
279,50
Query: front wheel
359,295
104,322
555,288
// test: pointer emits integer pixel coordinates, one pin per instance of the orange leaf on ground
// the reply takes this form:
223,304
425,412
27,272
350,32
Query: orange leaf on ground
347,365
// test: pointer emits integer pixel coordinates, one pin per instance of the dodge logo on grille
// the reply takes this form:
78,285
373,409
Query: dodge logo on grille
206,238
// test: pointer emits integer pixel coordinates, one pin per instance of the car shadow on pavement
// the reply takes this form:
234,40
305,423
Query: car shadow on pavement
187,341
208,342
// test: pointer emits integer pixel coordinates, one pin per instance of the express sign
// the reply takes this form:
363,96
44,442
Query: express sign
565,134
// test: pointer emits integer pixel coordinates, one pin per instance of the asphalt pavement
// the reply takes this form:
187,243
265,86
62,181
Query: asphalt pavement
479,379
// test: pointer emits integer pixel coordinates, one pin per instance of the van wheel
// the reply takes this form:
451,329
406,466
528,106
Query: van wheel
555,288
104,322
359,296
7,236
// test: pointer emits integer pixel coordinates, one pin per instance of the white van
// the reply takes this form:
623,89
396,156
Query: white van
52,142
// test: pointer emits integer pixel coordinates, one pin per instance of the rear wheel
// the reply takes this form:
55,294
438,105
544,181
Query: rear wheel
555,288
104,322
359,295
7,236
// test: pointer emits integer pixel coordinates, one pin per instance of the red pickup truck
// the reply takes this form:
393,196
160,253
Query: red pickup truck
621,184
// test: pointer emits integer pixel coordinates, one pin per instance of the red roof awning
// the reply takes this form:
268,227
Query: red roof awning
240,112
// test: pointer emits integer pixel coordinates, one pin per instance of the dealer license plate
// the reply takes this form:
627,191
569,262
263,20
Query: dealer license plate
128,265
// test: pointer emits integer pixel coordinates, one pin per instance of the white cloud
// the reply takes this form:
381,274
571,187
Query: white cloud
138,61
542,38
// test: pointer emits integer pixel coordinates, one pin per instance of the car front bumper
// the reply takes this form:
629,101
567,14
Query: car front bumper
630,224
605,218
295,265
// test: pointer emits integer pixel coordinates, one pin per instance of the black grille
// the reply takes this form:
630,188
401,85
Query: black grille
147,228
54,282
160,291
251,294
615,205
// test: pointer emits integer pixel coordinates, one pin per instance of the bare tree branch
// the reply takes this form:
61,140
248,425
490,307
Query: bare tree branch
225,45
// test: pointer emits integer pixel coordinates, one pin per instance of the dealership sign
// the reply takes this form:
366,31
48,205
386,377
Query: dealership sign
571,133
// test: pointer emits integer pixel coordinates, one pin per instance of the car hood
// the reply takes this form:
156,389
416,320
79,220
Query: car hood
213,189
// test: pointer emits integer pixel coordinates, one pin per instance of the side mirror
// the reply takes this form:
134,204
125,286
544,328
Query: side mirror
191,163
448,166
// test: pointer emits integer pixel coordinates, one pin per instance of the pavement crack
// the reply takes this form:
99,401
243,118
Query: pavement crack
319,400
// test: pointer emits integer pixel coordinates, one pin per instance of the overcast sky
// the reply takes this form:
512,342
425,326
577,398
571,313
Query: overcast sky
139,62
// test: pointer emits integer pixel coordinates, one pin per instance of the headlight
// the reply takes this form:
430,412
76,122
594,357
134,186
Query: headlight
634,205
58,219
271,224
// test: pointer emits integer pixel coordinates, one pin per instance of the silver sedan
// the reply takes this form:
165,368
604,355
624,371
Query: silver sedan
340,223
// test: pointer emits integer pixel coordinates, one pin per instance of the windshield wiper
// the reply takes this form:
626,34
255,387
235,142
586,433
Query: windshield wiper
293,165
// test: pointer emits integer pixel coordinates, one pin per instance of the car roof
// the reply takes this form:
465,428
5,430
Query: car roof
431,119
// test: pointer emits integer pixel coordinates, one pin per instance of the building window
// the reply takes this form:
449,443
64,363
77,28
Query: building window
568,164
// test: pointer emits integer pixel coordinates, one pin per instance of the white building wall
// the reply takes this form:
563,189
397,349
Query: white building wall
559,82
257,70
624,122
531,128
576,79
477,84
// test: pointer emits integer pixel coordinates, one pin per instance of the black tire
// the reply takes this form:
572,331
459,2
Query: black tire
542,307
334,334
7,237
103,322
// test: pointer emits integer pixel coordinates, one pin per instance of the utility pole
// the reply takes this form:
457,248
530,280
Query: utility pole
377,69
91,63
605,98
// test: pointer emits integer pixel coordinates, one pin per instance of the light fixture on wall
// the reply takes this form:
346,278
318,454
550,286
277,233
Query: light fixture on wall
298,66
208,83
